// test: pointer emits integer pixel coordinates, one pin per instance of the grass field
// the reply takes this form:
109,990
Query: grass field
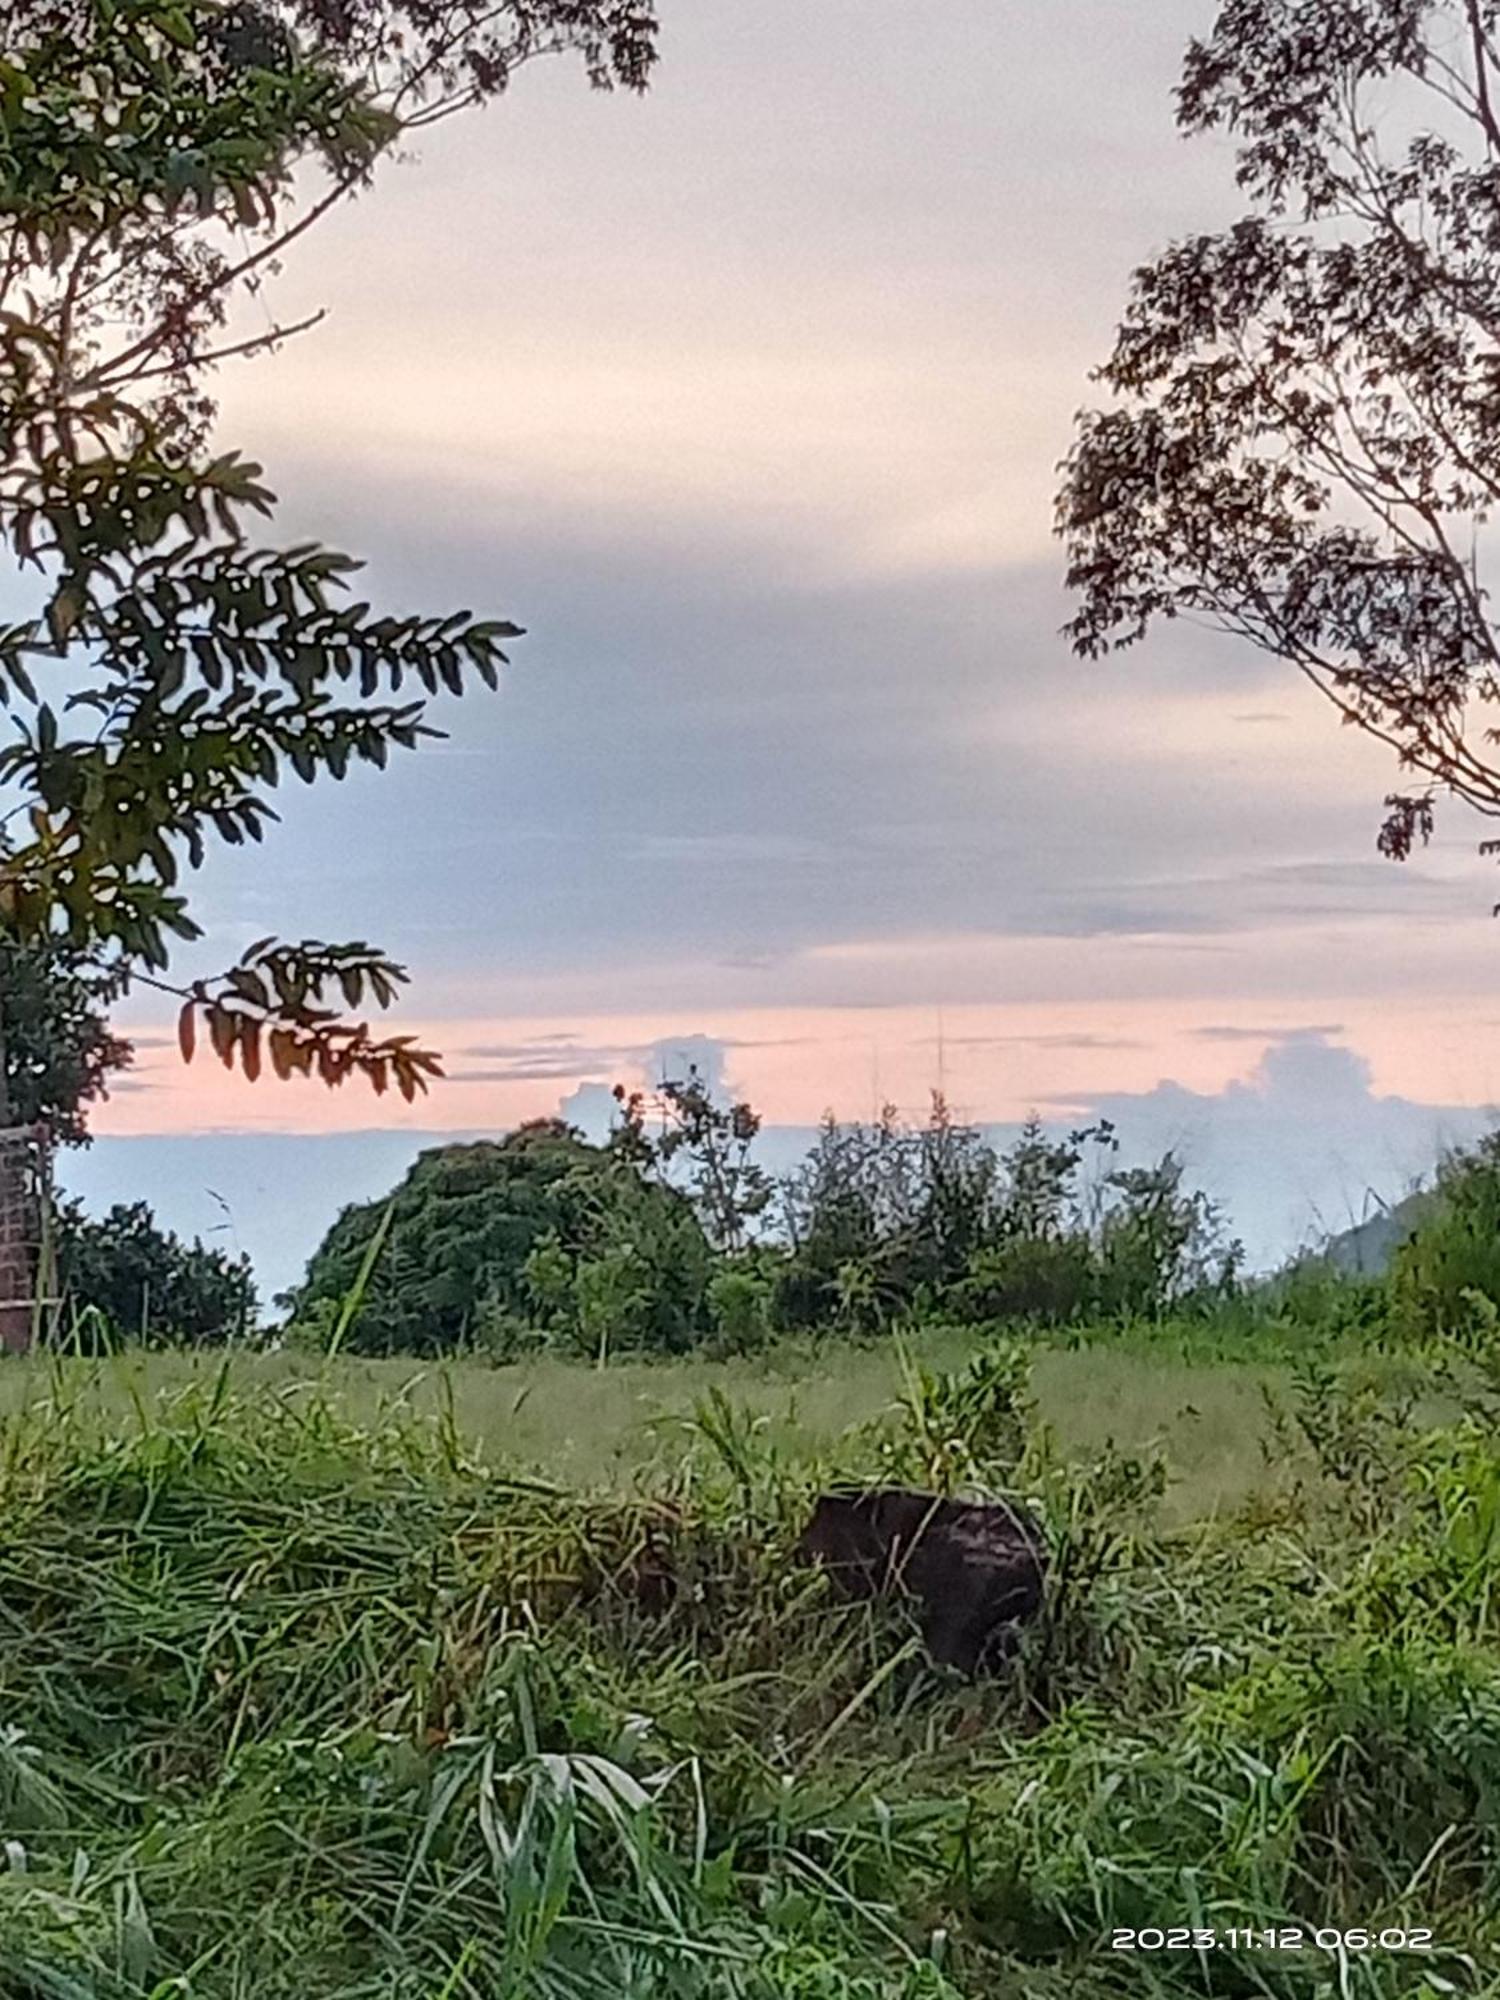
312,1689
604,1428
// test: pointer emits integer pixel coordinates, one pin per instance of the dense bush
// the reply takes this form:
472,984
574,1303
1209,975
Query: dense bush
1452,1261
1315,1297
883,1220
124,1279
1159,1245
740,1297
879,1215
538,1236
1051,1279
667,1237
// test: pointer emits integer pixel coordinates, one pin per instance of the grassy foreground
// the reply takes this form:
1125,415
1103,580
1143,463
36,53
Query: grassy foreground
294,1705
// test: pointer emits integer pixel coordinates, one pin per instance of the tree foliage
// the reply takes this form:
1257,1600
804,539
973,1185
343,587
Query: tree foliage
884,1219
702,1144
544,1239
58,1049
156,158
125,1279
540,1231
1452,1259
1304,446
878,1213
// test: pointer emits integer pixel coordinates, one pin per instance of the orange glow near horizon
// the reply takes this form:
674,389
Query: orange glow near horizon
996,1062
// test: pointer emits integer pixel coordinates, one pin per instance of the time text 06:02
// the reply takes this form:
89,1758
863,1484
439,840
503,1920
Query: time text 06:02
1286,1937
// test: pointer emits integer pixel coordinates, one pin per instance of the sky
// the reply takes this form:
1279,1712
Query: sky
746,399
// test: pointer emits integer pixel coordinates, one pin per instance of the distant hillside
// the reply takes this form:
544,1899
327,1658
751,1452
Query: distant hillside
1367,1248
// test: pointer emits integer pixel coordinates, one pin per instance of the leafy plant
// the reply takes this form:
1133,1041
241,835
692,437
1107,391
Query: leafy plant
124,1279
538,1226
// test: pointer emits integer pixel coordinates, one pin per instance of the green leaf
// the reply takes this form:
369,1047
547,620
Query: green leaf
177,28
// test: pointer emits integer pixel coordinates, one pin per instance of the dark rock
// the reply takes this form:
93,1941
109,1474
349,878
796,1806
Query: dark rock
976,1570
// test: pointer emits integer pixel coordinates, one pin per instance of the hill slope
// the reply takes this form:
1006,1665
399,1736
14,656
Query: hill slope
1367,1249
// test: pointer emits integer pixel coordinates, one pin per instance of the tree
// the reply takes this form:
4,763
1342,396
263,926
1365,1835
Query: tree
958,1174
1040,1199
156,158
708,1143
1305,444
123,1278
59,1053
849,1214
539,1227
1161,1246
877,1214
56,1053
1038,1262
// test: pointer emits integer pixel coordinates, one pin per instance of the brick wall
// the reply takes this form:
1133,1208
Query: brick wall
22,1179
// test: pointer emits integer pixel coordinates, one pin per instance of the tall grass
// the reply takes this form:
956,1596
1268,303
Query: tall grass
586,1426
295,1706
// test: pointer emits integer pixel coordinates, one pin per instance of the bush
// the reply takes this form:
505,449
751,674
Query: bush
539,1226
1454,1254
540,1238
1045,1279
125,1279
1158,1246
884,1221
739,1303
1315,1297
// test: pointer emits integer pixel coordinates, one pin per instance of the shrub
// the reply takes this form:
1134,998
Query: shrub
123,1279
739,1303
539,1225
1455,1251
1048,1279
1316,1298
1159,1245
